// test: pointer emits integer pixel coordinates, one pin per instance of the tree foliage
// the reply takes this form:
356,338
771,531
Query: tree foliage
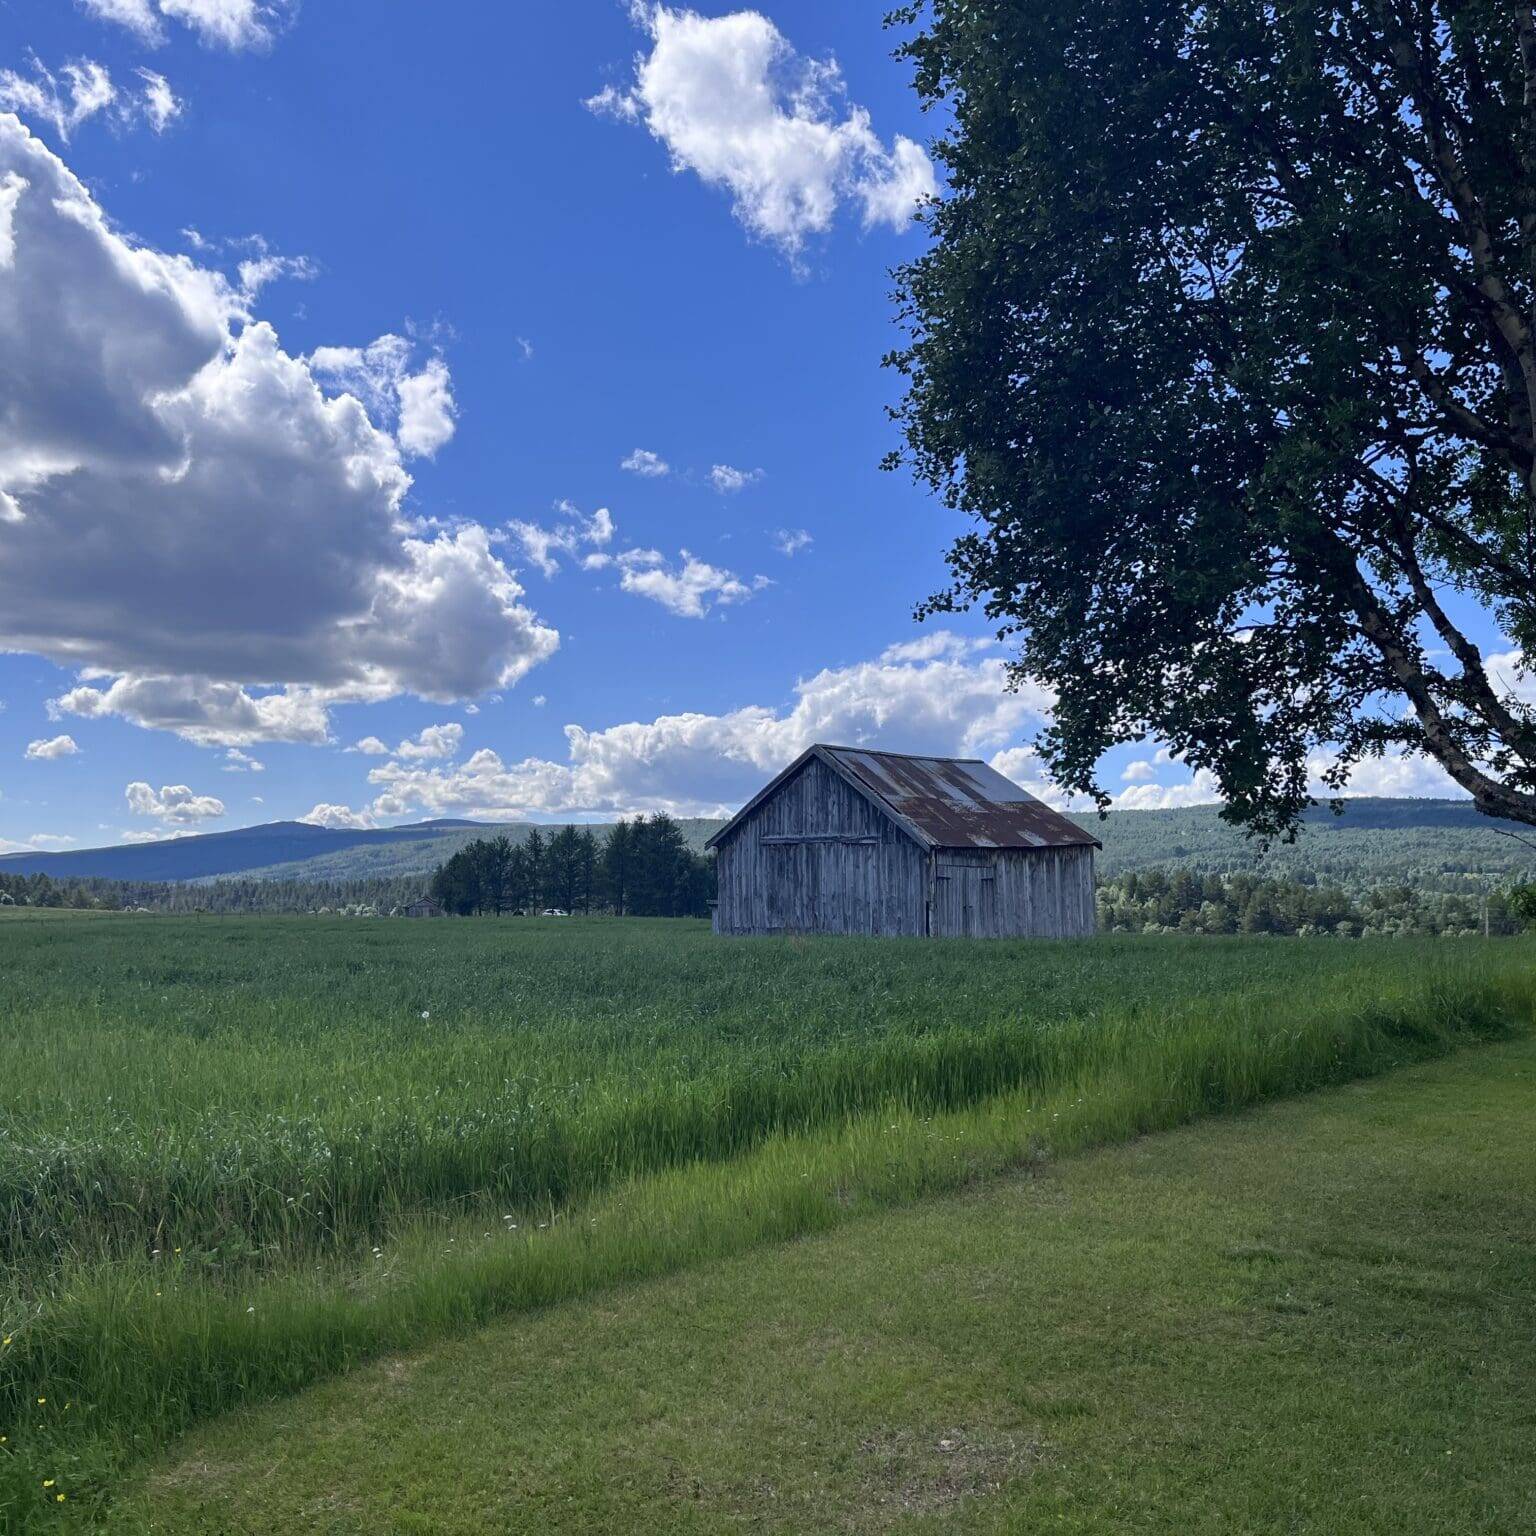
1225,339
644,868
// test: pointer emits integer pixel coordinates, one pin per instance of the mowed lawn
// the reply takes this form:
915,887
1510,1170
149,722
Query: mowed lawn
1317,1316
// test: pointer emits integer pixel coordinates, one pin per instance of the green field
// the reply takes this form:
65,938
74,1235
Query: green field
241,1155
1314,1320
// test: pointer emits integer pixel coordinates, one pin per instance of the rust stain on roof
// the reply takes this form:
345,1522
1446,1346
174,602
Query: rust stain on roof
959,802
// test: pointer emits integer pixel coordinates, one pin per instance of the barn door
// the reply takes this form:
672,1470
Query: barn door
965,898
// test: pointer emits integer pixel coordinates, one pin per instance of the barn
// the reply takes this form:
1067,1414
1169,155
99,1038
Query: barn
851,841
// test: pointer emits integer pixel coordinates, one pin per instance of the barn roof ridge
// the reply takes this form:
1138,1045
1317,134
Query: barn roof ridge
937,809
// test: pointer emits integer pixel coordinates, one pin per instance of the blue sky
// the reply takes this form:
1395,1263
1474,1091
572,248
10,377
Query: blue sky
591,236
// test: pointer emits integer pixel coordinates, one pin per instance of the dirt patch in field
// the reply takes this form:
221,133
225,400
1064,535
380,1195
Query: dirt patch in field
923,1473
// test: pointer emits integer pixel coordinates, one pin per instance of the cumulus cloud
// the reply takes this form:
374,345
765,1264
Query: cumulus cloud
790,541
949,702
418,401
733,102
1395,774
435,741
173,484
650,466
1138,772
689,589
233,24
236,761
576,533
728,480
56,746
173,803
339,816
1200,789
210,713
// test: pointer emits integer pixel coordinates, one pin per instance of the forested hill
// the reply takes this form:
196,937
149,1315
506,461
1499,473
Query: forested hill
1441,845
1433,845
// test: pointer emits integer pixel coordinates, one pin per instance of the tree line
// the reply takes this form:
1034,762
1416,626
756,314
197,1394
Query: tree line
641,868
1181,901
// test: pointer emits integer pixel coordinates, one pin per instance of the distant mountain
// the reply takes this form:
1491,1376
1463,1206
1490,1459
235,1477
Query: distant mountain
1430,844
287,850
225,853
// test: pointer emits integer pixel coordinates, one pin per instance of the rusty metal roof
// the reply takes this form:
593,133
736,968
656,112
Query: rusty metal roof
944,802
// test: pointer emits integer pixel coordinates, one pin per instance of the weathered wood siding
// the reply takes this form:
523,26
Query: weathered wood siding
1042,893
847,869
818,857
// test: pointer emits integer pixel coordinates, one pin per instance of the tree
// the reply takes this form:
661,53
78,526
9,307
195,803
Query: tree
563,861
496,860
536,867
586,870
1226,340
1521,902
617,869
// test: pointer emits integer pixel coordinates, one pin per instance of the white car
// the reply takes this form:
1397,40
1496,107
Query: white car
554,912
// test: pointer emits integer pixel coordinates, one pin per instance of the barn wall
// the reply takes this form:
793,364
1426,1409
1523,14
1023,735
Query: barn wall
1043,893
877,886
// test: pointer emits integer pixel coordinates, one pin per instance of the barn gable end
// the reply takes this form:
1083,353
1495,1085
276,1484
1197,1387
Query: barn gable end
817,856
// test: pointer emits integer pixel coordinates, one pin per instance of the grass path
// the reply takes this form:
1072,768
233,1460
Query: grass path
1316,1317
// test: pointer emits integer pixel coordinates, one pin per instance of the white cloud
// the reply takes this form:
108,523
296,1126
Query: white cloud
339,816
236,761
650,466
257,271
420,403
39,842
160,104
173,485
699,764
735,104
173,803
435,741
56,746
11,188
790,541
427,410
232,24
1200,789
689,590
542,545
137,15
210,713
84,91
1139,772
728,480
1394,775
370,746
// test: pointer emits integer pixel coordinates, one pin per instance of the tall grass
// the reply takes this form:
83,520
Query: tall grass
248,1160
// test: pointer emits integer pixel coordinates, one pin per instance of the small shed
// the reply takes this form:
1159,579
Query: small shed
851,841
425,907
